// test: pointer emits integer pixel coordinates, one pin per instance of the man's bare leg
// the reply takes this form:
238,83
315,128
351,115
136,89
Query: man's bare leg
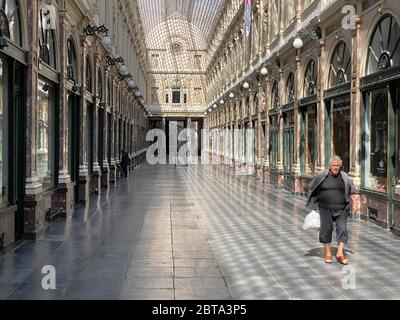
340,249
328,251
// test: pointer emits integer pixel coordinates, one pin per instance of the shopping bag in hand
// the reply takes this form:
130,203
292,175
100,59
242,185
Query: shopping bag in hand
312,221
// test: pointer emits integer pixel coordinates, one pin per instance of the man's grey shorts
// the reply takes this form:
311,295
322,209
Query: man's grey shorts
328,218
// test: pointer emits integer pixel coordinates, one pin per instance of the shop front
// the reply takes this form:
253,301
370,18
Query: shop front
337,102
13,62
381,127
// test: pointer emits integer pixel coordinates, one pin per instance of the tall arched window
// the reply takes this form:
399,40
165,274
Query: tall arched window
310,80
255,103
100,88
109,93
247,107
275,96
72,67
275,12
384,48
340,69
89,75
290,88
10,21
47,27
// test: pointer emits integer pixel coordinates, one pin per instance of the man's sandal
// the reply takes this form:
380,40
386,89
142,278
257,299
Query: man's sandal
342,260
328,259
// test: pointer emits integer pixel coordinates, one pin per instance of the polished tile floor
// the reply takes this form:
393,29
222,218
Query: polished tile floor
198,232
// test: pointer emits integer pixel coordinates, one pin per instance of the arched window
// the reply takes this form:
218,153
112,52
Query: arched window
88,75
290,88
340,69
110,87
72,67
275,96
100,88
310,80
275,12
255,103
47,27
10,21
384,49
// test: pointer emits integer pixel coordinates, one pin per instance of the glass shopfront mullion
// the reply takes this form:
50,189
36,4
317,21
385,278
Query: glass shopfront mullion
19,146
119,137
100,125
311,136
74,116
273,151
109,130
303,143
4,137
90,137
288,149
245,140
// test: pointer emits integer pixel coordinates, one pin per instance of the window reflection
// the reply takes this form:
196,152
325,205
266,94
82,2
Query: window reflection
341,130
311,140
376,146
11,10
44,131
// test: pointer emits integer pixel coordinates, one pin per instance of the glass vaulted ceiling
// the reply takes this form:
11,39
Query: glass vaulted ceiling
202,14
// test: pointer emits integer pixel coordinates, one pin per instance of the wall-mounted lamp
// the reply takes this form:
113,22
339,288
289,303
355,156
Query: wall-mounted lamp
246,85
264,71
131,84
112,62
123,69
125,77
222,102
231,95
91,31
298,43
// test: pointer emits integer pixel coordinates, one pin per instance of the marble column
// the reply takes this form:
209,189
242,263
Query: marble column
34,219
95,179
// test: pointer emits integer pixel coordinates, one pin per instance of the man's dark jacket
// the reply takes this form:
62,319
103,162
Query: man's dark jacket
312,201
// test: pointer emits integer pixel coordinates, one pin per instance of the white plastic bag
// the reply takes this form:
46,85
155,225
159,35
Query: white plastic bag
312,221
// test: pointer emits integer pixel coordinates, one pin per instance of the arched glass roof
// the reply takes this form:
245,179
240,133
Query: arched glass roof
202,14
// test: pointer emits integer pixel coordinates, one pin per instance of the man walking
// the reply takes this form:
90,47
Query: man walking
125,162
331,192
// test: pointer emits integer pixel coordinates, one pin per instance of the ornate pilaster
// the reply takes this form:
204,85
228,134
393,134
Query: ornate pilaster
355,134
266,134
261,98
320,105
297,115
95,179
83,182
250,135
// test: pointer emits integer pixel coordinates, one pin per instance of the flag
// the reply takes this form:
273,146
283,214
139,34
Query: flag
248,13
